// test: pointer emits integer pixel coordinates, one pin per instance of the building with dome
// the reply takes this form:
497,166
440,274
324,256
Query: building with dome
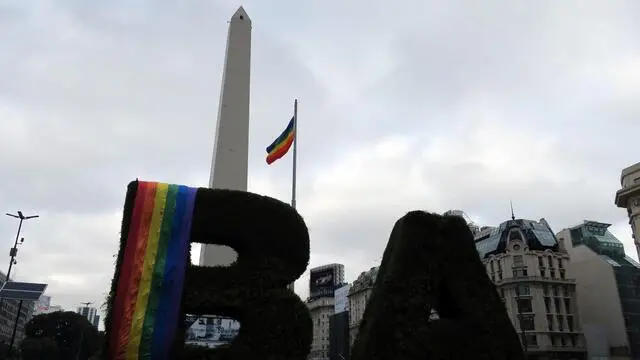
529,267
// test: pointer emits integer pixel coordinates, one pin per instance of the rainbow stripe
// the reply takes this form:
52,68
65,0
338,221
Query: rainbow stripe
146,307
282,144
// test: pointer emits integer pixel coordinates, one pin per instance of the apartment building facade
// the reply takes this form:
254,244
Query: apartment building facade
530,270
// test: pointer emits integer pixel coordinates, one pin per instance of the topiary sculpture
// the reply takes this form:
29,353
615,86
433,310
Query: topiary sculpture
431,266
154,284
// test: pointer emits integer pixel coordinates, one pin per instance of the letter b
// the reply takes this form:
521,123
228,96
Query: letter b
155,284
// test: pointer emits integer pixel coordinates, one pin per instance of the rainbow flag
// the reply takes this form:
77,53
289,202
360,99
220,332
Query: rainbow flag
282,144
146,307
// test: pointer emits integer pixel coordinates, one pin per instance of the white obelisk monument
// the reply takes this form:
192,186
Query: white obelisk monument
229,168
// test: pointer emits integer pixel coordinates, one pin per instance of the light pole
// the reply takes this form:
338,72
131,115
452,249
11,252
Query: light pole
86,306
13,252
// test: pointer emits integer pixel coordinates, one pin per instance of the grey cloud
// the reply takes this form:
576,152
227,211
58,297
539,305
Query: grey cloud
500,100
121,102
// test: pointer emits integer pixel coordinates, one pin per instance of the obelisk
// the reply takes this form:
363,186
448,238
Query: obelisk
229,168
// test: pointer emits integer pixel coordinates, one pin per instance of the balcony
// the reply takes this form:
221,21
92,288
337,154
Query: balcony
518,279
622,195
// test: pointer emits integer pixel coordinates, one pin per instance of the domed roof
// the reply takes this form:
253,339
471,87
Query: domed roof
535,234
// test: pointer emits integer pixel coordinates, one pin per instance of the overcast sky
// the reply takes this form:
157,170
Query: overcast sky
403,105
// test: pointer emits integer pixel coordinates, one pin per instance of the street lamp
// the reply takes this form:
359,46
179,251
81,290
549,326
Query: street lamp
13,252
86,306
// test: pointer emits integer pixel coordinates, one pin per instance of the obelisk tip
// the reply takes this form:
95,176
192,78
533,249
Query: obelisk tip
240,15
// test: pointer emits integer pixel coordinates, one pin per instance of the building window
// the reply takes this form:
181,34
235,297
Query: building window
550,322
518,261
556,302
540,262
552,274
527,322
550,261
568,292
524,306
547,304
532,340
562,274
523,290
567,306
560,264
570,322
555,291
560,323
521,272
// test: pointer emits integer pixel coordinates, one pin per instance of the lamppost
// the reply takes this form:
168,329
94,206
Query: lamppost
86,306
13,252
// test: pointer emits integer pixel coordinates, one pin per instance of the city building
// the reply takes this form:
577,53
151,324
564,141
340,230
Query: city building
339,345
608,287
8,315
210,331
359,295
529,267
323,281
90,313
629,198
43,306
475,229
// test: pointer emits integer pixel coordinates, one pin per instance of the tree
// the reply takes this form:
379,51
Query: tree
42,348
74,336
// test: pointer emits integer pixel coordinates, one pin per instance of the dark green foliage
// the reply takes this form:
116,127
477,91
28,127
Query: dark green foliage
38,349
272,243
431,263
71,333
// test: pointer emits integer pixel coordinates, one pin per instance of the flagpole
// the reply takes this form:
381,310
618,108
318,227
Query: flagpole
295,153
291,286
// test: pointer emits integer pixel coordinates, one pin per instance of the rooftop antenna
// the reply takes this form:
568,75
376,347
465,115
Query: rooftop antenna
513,217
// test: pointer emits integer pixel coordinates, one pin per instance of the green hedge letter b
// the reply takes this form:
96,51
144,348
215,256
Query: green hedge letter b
155,285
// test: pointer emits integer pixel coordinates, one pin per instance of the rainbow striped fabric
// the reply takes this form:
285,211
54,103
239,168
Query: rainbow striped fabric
146,307
282,144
